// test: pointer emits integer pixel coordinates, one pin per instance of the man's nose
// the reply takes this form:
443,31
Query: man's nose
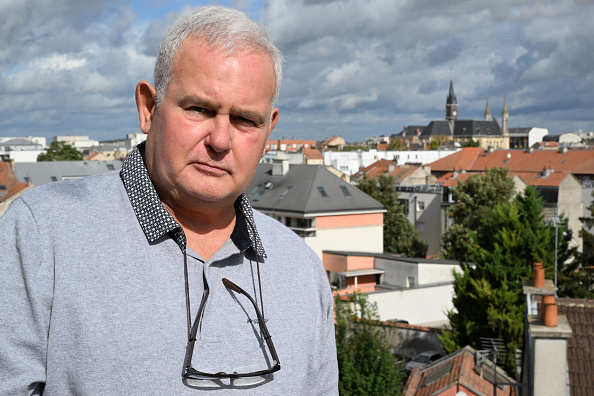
219,138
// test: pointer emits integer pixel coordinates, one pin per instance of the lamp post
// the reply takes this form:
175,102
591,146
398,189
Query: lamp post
555,220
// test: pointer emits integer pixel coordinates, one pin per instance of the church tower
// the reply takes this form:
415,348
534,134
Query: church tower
451,105
488,116
505,125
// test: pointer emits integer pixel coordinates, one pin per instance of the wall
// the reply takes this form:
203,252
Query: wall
570,204
436,273
362,239
419,306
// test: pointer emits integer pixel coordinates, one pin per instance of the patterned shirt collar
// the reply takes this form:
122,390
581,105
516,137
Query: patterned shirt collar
156,221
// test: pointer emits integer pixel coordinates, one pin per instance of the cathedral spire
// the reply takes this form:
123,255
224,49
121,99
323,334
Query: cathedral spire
488,116
451,104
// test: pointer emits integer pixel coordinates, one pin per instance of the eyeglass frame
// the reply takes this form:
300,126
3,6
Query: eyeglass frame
190,372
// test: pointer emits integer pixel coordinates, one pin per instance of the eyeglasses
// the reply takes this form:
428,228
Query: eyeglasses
195,377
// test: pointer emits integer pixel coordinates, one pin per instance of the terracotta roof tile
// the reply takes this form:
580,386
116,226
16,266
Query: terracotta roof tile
580,346
475,159
453,373
312,153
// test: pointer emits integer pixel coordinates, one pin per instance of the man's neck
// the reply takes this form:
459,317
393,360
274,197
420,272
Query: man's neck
207,229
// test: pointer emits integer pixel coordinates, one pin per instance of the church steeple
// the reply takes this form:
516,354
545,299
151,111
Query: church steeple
505,118
451,104
505,125
488,116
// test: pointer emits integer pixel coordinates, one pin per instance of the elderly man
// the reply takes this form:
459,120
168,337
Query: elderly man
161,279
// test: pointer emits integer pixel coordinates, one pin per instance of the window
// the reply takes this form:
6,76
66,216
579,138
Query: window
285,192
420,226
323,192
404,203
421,205
345,191
411,281
110,167
54,178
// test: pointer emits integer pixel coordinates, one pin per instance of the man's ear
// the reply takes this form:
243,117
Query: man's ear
273,121
146,101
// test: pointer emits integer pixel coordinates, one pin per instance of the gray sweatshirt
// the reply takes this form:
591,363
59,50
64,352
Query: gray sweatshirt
88,306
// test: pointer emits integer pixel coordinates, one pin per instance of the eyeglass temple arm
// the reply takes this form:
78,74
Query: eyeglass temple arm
267,337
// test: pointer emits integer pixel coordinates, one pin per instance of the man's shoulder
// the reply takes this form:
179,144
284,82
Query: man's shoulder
269,226
73,190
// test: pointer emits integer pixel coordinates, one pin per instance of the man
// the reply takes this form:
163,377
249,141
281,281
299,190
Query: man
161,279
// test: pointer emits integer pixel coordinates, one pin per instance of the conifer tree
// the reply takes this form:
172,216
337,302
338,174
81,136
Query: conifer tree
474,199
400,236
488,300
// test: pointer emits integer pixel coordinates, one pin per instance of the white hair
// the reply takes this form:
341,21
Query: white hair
220,27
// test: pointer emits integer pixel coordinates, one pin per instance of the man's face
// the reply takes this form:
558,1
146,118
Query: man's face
207,136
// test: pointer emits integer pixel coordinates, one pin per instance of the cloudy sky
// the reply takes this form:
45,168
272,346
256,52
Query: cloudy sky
354,68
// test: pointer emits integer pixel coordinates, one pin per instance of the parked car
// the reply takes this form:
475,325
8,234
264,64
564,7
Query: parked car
422,359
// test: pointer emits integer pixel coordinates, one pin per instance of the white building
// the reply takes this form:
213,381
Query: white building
21,149
349,162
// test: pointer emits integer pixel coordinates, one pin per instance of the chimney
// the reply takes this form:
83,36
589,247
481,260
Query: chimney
280,167
391,167
547,171
546,334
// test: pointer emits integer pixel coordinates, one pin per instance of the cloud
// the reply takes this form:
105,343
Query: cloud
354,67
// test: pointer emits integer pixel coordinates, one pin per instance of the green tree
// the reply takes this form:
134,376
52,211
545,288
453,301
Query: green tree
433,144
396,145
400,236
471,143
488,299
474,200
365,364
576,269
60,151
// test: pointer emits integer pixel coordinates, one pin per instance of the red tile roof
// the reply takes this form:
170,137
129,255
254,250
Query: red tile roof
312,153
10,182
380,167
580,346
475,159
456,372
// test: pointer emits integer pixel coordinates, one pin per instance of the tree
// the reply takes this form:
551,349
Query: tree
433,144
471,143
396,145
60,151
474,201
365,364
576,269
488,300
400,236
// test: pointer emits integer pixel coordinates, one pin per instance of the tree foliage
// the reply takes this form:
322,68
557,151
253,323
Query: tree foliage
396,145
576,269
365,364
474,200
471,143
488,300
60,151
400,236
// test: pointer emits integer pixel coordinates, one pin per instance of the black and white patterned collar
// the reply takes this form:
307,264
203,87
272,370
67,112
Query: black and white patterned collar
156,221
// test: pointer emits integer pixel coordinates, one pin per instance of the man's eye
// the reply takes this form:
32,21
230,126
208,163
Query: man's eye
197,109
244,122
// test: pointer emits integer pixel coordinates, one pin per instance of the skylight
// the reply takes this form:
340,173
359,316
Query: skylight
345,191
323,192
285,192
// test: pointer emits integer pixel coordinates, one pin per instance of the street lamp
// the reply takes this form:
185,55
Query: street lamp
555,219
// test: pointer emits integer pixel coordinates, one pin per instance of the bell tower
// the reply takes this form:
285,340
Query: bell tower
451,104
